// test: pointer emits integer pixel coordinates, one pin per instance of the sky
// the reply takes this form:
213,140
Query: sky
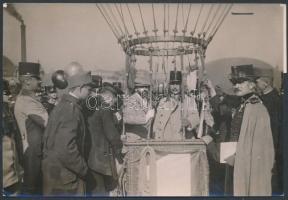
58,34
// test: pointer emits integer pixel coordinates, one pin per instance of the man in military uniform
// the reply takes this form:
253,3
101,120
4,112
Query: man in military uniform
250,128
31,118
138,112
169,119
106,144
65,153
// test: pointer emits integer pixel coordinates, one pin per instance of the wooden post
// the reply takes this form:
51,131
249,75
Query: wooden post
182,94
150,91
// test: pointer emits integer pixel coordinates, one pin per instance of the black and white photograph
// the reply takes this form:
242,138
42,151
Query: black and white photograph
143,99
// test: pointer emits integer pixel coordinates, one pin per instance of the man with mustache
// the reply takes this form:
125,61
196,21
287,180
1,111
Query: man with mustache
169,121
106,144
250,128
32,119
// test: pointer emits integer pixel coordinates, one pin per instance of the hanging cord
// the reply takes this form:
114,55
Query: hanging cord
205,23
168,17
108,22
208,17
176,22
122,18
164,20
175,31
213,19
163,67
228,10
192,32
132,20
154,20
143,24
115,19
137,33
182,8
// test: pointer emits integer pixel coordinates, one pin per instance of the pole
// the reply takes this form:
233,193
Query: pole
150,91
182,94
23,42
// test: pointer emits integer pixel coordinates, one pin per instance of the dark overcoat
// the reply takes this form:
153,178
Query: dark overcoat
106,144
64,165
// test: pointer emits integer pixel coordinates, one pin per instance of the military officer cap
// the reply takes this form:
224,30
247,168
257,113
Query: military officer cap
242,73
110,87
29,69
175,77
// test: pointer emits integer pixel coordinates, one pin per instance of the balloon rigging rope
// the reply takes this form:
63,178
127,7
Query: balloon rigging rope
115,19
198,18
109,24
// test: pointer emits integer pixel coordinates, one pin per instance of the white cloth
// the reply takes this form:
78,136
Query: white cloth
192,80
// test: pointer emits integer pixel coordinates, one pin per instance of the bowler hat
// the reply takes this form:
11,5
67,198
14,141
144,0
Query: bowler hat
80,79
29,69
175,77
110,87
242,73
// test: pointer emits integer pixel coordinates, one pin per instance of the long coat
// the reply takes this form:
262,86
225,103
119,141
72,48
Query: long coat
64,164
255,153
31,118
105,142
168,120
134,116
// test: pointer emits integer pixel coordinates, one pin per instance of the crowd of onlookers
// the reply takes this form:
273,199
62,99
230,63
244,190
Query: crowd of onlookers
71,144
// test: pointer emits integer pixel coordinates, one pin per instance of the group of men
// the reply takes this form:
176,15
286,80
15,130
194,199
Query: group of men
251,119
73,149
